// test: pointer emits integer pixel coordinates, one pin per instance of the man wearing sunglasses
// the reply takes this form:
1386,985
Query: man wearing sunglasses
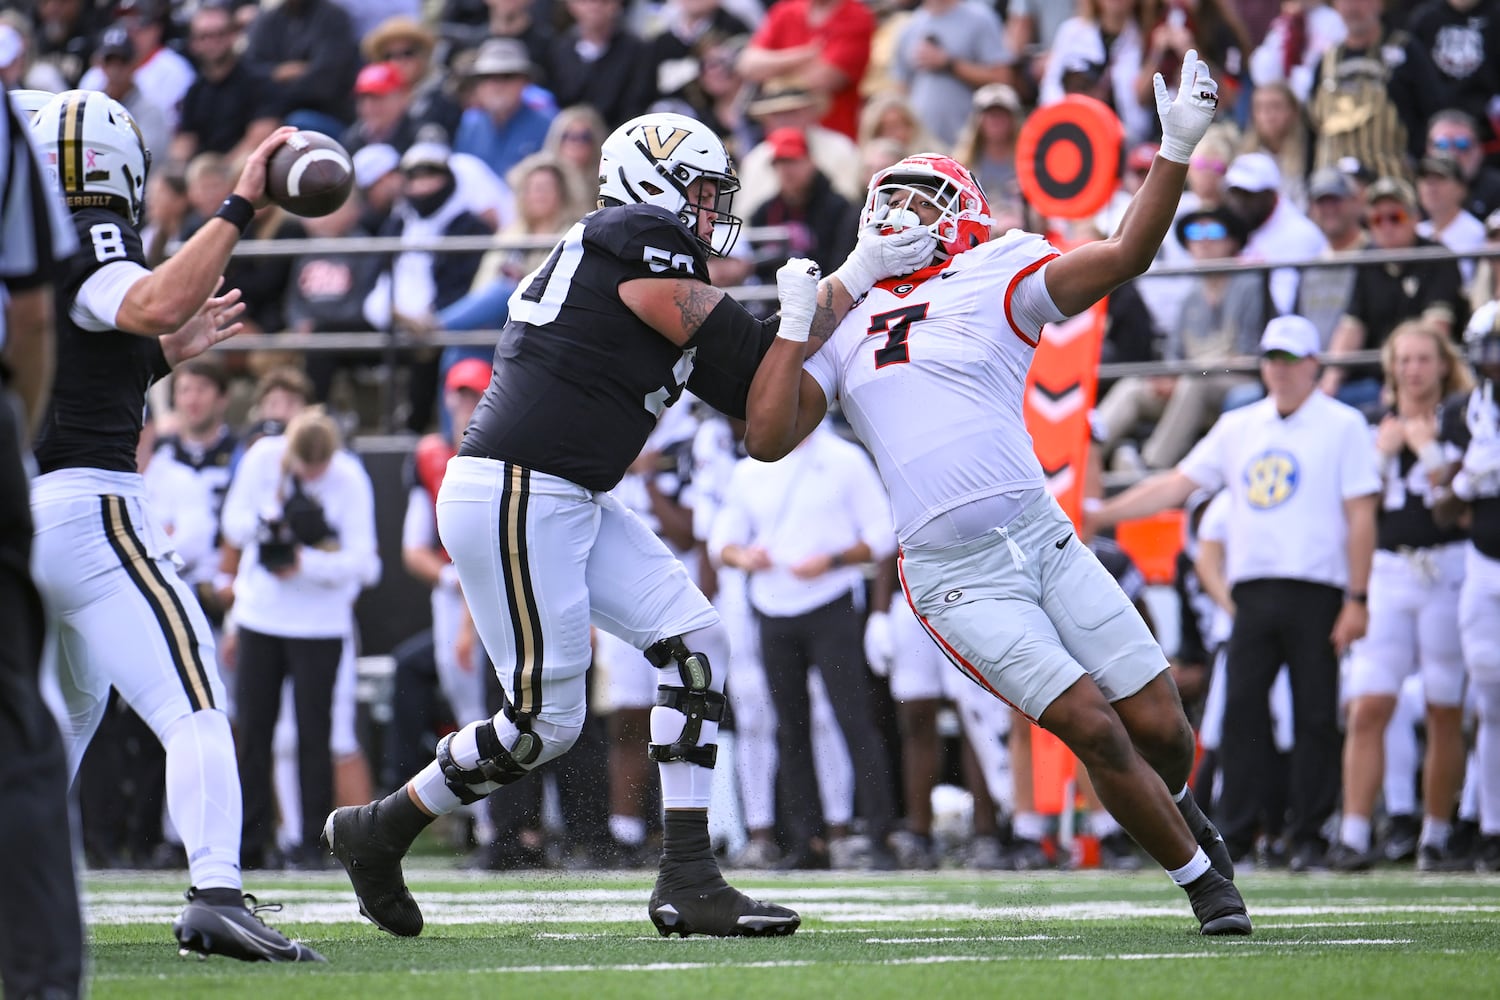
1456,133
1386,294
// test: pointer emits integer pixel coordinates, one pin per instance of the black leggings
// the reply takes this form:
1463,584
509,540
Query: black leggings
265,661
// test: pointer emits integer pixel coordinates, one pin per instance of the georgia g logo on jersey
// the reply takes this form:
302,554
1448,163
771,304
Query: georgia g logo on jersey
1271,479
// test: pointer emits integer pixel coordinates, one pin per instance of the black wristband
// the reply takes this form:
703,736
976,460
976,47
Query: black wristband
237,211
836,560
1358,597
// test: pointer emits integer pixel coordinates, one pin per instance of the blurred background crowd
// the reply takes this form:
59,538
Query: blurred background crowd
1347,126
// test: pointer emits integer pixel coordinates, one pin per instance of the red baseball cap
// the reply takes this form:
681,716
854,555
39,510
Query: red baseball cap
379,79
787,144
470,373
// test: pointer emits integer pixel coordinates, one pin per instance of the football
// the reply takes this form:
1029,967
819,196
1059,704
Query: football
309,174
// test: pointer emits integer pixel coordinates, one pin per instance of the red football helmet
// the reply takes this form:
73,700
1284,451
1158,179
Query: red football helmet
965,222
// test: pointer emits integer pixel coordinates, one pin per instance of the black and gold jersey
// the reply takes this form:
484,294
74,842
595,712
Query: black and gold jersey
579,380
99,393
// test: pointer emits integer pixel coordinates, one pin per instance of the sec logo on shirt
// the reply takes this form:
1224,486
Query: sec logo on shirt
1271,479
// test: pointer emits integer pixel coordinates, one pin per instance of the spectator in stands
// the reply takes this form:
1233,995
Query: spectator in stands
547,203
323,292
303,511
1213,29
114,61
167,209
1386,294
230,107
1456,134
987,146
382,110
18,68
716,95
1442,193
414,285
307,48
822,45
162,74
1278,230
690,29
1107,34
1278,130
378,182
367,15
65,33
1371,94
1030,26
515,19
500,128
1338,211
1221,318
947,50
574,138
783,104
822,222
600,62
1293,44
890,115
408,45
1463,37
1486,284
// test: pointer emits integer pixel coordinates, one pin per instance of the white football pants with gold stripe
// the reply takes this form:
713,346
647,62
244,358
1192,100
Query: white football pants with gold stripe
540,559
119,615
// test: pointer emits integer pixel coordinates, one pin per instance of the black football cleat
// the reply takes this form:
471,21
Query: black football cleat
1218,906
230,925
374,869
723,911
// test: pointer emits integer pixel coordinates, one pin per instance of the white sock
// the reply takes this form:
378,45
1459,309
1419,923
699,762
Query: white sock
1485,762
1029,826
1434,833
203,796
432,788
1191,871
1354,831
628,829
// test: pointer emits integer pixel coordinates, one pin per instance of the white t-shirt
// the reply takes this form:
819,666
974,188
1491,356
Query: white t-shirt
1464,232
824,497
931,372
1287,480
1287,235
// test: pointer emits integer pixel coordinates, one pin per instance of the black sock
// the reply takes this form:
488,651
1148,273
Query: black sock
399,819
685,835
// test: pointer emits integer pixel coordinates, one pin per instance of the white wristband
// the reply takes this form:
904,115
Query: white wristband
797,333
1175,149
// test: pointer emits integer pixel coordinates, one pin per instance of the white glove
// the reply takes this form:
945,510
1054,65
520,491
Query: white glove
878,256
797,287
880,646
1184,120
1482,457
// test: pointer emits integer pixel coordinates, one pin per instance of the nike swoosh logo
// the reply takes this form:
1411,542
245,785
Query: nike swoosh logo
945,275
1063,541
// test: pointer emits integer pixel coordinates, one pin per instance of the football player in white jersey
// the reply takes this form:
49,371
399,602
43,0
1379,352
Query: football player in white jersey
930,369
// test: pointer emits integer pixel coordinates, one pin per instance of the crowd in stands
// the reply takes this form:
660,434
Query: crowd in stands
1344,126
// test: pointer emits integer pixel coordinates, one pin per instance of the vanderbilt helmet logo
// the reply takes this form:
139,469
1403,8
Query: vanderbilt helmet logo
1271,479
660,148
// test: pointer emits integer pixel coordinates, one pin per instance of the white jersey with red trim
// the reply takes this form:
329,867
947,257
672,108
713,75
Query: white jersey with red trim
930,370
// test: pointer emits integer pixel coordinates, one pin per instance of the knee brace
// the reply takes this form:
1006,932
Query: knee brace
694,700
497,764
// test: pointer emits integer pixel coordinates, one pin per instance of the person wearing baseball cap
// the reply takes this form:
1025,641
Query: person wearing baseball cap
1384,295
382,109
500,126
1442,192
1278,230
1336,205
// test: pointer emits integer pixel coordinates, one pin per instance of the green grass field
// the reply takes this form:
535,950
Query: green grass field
950,934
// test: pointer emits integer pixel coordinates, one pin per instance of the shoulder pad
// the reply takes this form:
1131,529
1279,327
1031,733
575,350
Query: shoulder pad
648,240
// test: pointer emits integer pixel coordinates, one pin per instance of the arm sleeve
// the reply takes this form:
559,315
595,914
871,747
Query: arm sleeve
728,348
1028,304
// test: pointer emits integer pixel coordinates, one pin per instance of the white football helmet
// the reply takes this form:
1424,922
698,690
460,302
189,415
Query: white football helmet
95,149
652,159
29,102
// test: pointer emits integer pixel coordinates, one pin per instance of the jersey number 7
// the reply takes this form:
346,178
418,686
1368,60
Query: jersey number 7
896,325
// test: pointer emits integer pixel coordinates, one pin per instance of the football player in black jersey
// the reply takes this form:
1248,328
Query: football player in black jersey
601,338
1470,431
120,614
